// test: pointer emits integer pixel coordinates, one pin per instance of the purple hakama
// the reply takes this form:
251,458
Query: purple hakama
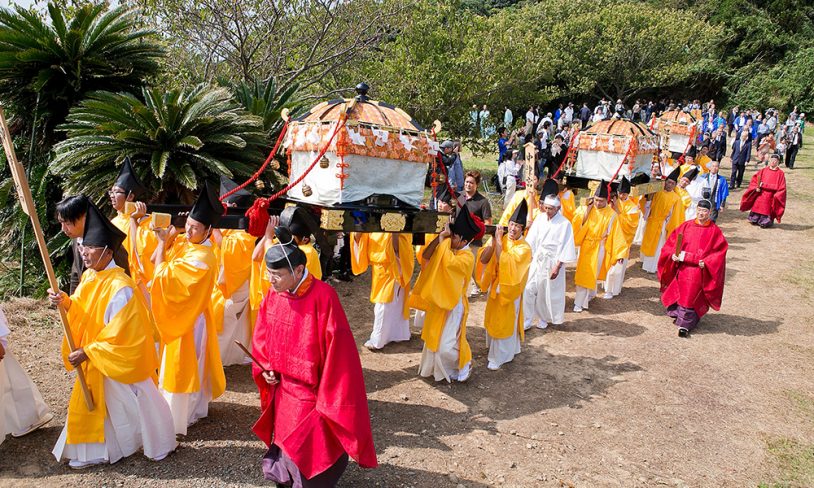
684,317
280,468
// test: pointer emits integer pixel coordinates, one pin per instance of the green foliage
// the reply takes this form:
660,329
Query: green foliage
52,64
619,50
264,101
175,139
448,58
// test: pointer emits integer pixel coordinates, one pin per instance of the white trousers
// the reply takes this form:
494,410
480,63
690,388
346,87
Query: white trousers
389,324
236,327
650,264
188,408
616,278
137,417
544,298
583,297
443,363
21,405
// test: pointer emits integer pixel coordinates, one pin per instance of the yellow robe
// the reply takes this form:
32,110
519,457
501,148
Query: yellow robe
414,300
139,249
312,260
601,223
259,283
123,350
568,206
519,195
442,284
663,204
141,252
505,279
702,162
375,250
628,215
686,199
686,167
181,292
234,257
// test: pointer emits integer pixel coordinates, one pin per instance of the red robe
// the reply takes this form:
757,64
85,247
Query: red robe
771,200
318,411
684,282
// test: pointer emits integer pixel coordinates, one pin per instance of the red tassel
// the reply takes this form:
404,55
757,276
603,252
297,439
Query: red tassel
258,217
481,227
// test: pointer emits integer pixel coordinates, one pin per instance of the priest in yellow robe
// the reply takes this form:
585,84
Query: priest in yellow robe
443,204
502,270
230,297
126,188
690,163
628,217
113,335
24,410
529,195
391,257
703,159
663,213
601,245
140,241
445,276
191,373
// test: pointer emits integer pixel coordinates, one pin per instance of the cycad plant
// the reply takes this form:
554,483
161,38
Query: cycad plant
56,62
262,99
175,140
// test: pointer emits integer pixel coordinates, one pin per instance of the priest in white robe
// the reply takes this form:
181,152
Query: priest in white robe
551,238
22,409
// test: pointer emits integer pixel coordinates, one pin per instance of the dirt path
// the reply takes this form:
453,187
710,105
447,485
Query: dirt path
612,398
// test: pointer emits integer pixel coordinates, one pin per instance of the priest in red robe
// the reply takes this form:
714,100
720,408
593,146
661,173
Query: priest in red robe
312,393
766,196
692,269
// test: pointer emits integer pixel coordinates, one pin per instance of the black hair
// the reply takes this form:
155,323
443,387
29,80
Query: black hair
501,130
299,230
72,208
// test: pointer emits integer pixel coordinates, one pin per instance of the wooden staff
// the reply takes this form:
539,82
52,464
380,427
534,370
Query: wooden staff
679,243
249,355
27,204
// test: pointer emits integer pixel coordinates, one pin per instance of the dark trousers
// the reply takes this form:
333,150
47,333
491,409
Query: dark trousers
736,179
791,155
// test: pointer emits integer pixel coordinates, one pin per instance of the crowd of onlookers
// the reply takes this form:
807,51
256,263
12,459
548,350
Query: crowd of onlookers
740,134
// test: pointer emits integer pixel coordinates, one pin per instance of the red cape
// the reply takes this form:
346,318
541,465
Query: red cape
771,199
685,283
319,409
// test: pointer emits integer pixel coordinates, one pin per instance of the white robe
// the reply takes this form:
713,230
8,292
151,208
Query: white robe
389,324
615,279
696,191
551,241
443,364
137,416
21,405
236,327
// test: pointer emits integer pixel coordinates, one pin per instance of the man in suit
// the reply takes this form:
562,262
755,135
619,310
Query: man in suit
718,145
741,153
795,141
